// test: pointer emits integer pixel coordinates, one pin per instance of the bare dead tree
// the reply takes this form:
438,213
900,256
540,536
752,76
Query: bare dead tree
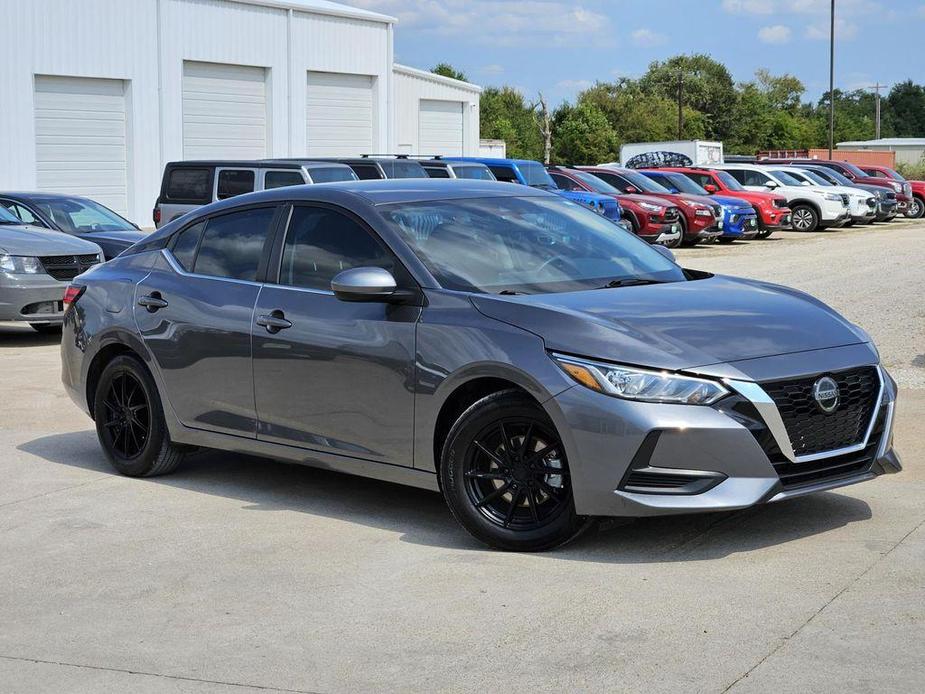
544,120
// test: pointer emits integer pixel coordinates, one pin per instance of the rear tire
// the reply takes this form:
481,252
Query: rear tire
505,476
804,218
130,421
46,328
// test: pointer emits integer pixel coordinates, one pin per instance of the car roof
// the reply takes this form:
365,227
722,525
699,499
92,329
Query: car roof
306,163
42,195
488,161
240,163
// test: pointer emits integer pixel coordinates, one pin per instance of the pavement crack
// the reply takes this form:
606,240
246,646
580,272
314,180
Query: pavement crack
815,614
142,673
56,491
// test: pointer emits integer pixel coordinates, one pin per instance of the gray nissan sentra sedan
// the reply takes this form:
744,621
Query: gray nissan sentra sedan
502,345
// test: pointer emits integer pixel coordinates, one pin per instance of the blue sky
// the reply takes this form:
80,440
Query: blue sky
561,47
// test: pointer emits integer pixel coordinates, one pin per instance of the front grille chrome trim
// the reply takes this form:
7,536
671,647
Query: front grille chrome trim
767,408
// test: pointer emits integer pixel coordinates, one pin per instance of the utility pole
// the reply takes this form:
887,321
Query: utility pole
877,87
680,105
832,80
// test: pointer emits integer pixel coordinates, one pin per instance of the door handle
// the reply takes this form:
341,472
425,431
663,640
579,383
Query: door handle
274,321
153,302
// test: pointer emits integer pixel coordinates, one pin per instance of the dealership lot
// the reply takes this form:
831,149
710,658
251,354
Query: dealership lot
236,573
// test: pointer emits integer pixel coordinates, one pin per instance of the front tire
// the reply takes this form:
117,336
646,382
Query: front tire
130,421
804,218
916,209
505,476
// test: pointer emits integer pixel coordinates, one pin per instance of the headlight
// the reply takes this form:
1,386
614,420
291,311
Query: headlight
650,207
834,197
20,264
703,212
897,187
630,383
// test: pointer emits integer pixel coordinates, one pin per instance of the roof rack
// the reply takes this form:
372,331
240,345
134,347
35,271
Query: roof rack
403,155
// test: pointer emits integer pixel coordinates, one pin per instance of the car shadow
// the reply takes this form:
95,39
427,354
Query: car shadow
421,517
16,335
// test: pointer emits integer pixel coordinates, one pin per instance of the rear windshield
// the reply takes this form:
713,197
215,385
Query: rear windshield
535,174
189,184
478,173
402,168
332,174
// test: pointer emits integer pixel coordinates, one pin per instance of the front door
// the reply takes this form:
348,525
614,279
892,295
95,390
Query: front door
195,310
330,375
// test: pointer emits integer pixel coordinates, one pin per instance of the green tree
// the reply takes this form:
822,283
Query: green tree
904,109
505,115
583,135
707,87
448,70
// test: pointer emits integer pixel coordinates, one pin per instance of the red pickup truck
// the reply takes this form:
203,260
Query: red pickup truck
772,209
916,208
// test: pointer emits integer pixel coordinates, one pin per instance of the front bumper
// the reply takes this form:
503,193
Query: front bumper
741,226
31,298
698,458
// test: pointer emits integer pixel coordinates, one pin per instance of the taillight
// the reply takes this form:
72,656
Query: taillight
72,294
157,215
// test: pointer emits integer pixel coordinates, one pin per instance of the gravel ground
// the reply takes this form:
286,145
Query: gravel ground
238,575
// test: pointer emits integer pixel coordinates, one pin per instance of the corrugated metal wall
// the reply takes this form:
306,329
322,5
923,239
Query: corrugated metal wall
145,43
413,86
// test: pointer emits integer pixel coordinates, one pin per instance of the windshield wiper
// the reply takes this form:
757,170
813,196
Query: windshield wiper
629,282
12,222
509,292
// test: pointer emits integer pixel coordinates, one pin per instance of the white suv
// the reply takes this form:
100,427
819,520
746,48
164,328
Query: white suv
862,204
811,207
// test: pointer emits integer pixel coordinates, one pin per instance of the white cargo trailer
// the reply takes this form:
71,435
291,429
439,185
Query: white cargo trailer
700,152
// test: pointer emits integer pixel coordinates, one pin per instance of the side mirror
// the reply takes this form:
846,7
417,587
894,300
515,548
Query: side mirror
772,185
364,284
630,190
665,251
710,188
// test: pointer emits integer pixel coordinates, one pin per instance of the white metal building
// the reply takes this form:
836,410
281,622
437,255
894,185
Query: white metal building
909,150
97,95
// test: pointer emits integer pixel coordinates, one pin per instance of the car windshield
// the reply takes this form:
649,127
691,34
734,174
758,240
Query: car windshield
892,174
331,174
853,169
478,173
535,175
596,184
524,245
7,217
784,178
682,183
834,177
79,216
816,178
643,183
728,180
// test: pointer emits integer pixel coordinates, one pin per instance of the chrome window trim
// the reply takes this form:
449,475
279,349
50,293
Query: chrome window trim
767,408
176,267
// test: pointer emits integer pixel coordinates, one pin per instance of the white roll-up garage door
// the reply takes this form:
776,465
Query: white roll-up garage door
441,127
224,111
339,114
80,145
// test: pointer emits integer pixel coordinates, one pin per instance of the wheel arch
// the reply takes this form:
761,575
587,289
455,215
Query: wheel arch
115,344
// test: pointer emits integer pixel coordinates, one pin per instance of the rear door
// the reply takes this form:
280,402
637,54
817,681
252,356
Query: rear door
194,311
330,375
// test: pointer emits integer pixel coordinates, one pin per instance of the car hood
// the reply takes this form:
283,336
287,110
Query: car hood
737,203
651,199
32,241
679,325
126,238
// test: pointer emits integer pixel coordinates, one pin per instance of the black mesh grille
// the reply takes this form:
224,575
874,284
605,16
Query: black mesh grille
813,431
671,214
656,481
780,203
64,268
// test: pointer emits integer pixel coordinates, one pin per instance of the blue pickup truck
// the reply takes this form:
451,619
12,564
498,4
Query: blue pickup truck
533,174
740,220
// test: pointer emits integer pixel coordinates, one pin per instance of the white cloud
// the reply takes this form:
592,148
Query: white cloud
777,33
493,69
511,23
647,37
749,6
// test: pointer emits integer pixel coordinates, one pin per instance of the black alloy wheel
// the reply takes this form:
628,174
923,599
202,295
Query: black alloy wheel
126,416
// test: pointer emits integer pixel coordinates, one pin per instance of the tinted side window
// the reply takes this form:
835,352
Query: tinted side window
564,182
613,180
233,182
504,173
185,245
282,179
437,172
366,172
876,173
21,212
189,184
739,175
755,178
232,244
701,179
321,243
